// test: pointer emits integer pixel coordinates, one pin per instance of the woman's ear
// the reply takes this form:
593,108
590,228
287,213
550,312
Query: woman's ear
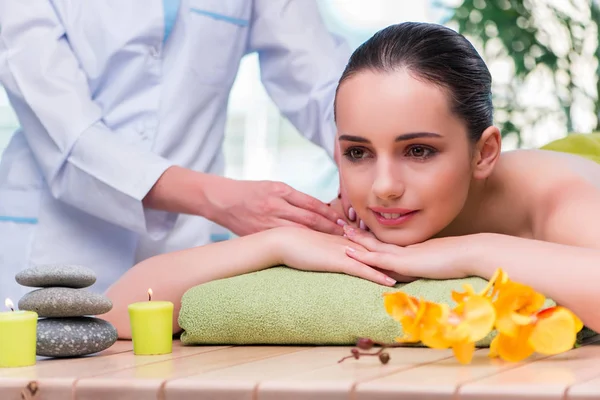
487,152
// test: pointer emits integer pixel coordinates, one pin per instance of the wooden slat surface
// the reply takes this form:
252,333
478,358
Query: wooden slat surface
275,372
148,379
54,377
57,377
544,379
586,390
240,381
438,380
336,381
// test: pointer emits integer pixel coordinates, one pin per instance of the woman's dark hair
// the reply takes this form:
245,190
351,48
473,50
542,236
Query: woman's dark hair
435,54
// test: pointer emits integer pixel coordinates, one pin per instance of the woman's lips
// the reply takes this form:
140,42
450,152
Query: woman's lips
390,217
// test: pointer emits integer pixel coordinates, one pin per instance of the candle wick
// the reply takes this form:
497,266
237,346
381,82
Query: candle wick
149,297
12,309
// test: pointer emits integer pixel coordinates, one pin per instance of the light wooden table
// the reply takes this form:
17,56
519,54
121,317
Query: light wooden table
282,372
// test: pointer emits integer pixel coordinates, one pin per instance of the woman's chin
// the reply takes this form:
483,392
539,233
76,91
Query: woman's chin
400,237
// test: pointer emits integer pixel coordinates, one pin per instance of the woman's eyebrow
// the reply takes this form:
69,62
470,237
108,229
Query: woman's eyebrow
417,135
352,138
400,138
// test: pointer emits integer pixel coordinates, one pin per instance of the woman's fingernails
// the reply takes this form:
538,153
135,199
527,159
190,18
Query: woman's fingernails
390,280
351,214
351,250
341,222
362,225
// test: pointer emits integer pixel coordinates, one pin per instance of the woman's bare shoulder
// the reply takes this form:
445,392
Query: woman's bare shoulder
545,178
547,183
545,169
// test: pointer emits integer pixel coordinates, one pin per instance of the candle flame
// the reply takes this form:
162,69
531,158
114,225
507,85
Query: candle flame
9,304
150,294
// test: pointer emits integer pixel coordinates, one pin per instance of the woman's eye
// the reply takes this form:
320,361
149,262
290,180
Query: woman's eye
356,153
420,152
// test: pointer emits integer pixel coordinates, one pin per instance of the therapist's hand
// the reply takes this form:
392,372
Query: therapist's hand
243,207
246,207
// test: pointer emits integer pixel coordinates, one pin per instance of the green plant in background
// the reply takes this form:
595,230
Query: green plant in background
543,42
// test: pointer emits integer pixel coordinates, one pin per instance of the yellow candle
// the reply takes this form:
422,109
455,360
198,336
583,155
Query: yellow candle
18,337
151,326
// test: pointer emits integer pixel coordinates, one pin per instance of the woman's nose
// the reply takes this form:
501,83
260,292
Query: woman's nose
387,184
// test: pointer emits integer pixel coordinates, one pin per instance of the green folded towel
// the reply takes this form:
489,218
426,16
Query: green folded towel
282,305
285,306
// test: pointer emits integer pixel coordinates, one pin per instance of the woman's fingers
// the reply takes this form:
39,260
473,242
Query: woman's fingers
367,239
361,270
398,277
351,214
362,225
385,261
353,217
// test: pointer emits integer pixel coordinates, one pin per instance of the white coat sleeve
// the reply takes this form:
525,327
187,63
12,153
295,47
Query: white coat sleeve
84,163
300,63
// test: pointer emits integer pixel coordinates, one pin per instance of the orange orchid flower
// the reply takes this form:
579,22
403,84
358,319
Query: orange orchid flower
439,327
549,331
524,328
515,304
470,321
513,309
405,309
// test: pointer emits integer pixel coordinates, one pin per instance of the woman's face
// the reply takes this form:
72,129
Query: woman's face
406,161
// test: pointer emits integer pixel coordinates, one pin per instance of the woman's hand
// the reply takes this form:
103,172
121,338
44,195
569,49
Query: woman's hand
308,250
433,259
350,217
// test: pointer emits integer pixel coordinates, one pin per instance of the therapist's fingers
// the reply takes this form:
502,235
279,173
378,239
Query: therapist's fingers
309,203
312,220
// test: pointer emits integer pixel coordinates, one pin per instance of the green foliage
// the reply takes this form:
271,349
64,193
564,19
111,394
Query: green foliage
540,39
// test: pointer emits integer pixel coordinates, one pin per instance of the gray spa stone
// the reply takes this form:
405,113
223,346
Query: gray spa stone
64,302
72,337
73,276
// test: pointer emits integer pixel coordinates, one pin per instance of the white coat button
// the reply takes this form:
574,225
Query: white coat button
144,136
154,52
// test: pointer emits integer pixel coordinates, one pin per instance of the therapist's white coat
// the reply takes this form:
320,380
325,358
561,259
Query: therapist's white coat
105,107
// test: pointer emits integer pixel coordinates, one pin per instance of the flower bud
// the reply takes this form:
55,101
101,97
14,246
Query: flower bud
384,358
364,344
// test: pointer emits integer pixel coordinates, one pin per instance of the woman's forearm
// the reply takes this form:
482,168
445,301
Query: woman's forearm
567,274
171,275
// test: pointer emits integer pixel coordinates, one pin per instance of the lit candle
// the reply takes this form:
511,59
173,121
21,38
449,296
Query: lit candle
18,337
151,326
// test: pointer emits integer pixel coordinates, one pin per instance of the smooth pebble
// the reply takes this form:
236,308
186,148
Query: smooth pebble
72,337
65,302
72,276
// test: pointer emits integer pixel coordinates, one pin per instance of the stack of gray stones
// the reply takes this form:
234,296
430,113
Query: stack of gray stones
66,327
